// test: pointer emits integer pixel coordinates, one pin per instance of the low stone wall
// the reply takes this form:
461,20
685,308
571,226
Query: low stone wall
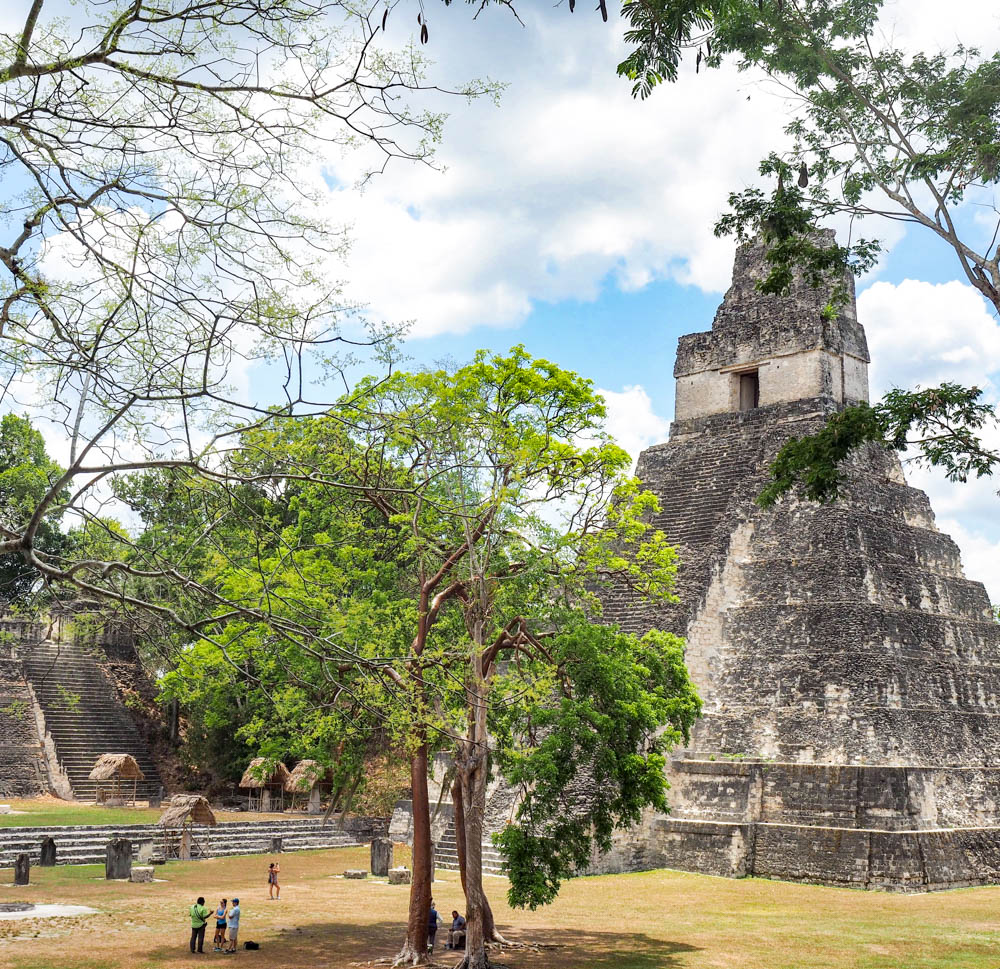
852,796
901,861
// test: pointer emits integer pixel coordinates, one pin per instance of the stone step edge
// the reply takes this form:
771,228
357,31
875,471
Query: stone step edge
98,859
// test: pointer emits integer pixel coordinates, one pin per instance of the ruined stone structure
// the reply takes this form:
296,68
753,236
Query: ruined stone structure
850,672
60,709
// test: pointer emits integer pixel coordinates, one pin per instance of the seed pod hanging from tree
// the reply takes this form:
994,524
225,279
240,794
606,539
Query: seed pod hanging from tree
604,10
803,175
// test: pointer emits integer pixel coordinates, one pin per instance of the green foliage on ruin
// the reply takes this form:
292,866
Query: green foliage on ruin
938,427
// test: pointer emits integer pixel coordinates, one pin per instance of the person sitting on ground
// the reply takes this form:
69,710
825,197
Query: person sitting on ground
432,926
274,889
456,933
220,926
234,926
199,919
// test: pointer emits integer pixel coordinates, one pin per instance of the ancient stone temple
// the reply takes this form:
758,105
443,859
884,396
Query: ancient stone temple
850,672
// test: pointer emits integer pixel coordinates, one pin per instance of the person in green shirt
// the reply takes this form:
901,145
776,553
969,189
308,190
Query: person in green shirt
199,919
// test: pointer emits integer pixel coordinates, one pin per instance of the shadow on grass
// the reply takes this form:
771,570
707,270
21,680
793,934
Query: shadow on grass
337,945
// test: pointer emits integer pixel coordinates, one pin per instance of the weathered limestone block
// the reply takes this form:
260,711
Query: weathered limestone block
276,845
399,876
118,862
381,856
355,873
141,873
22,865
48,853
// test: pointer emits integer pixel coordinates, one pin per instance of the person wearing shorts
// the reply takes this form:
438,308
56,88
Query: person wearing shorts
234,926
273,888
220,926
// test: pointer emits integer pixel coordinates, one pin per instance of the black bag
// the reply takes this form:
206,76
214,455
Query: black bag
251,945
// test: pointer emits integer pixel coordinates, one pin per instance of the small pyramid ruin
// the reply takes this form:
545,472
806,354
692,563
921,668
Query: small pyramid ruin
849,670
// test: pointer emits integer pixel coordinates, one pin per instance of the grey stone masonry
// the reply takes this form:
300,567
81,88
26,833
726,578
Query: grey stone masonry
850,672
22,762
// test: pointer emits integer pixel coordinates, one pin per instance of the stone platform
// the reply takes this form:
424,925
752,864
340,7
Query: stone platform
885,827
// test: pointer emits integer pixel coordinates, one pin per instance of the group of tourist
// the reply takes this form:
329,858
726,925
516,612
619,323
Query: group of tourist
456,934
227,917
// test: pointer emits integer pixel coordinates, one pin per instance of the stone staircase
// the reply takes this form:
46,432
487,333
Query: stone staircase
86,845
446,854
84,715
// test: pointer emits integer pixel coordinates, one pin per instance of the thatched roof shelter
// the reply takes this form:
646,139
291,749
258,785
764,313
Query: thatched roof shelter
184,806
305,776
122,766
256,775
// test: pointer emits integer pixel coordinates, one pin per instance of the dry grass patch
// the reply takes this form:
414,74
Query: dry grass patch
650,920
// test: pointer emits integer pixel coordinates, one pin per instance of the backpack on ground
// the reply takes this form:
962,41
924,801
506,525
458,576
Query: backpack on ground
251,945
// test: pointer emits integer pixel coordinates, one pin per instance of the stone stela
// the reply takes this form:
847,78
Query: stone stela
850,672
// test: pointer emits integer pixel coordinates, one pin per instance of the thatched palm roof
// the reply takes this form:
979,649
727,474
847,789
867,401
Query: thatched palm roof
305,776
121,765
256,775
182,806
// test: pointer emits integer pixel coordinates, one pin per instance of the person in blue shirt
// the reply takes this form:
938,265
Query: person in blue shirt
432,926
234,926
456,933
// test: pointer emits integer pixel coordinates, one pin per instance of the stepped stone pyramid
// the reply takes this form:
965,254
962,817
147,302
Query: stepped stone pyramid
849,670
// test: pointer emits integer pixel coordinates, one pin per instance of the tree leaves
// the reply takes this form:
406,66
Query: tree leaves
938,425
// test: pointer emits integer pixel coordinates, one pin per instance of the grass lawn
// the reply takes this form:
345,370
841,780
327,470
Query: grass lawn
43,812
652,920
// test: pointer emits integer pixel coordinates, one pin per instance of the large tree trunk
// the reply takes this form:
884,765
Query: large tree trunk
490,933
414,949
456,800
473,802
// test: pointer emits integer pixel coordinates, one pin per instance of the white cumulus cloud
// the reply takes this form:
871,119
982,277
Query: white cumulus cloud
632,421
569,184
926,333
